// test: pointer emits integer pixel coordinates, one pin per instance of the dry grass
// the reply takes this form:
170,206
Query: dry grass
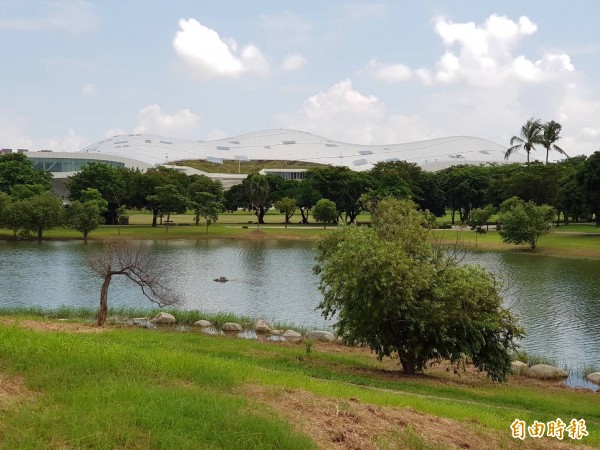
60,326
350,424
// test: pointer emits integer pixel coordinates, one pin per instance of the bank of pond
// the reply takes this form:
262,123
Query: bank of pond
555,298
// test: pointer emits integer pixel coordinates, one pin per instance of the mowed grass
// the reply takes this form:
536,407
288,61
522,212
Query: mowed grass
577,240
134,388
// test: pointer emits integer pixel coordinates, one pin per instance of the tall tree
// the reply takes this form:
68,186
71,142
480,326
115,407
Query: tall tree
325,211
168,199
17,168
108,180
388,288
207,206
551,134
531,134
524,222
286,206
258,194
41,213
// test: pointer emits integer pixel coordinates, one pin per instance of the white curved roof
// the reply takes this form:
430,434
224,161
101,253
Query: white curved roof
285,144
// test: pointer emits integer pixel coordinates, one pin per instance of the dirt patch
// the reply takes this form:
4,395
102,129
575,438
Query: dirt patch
12,391
350,424
37,325
440,372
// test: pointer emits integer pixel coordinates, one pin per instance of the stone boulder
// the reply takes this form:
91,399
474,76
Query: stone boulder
276,332
518,367
545,372
230,326
594,377
325,336
262,326
202,323
164,318
292,335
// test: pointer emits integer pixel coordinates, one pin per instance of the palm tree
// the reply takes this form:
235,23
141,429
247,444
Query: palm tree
258,193
550,135
531,133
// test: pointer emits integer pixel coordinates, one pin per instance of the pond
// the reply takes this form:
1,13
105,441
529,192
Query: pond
556,299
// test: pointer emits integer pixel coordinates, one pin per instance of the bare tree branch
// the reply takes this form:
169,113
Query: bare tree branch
136,261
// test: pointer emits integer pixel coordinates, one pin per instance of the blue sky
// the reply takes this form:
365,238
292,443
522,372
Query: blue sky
364,72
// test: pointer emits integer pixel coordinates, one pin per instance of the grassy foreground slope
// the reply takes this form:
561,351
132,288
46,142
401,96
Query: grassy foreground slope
68,385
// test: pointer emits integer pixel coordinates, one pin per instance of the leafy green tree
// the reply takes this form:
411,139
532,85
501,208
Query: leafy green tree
550,134
206,205
524,222
168,199
480,217
13,216
41,213
465,187
23,191
17,168
589,179
306,197
531,134
108,180
401,179
342,186
391,290
287,206
325,211
258,194
84,217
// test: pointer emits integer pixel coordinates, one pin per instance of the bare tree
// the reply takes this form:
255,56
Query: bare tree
136,261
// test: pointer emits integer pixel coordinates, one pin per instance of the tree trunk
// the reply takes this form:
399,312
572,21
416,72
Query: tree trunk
168,221
261,215
304,216
453,211
197,219
409,366
154,215
103,309
207,224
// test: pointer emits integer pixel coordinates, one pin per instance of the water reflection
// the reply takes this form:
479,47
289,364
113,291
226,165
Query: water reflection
556,299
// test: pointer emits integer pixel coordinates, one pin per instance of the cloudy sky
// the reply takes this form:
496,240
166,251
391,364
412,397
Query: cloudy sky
76,71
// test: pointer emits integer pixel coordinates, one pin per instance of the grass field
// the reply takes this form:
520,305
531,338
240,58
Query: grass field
574,240
71,385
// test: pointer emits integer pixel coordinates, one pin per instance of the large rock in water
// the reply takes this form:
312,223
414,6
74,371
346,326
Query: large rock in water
292,335
325,336
164,317
518,367
202,323
262,326
230,326
594,377
545,372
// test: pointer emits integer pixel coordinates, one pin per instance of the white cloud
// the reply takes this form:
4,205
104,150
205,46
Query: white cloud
293,62
345,114
203,51
389,72
70,15
68,143
480,55
152,120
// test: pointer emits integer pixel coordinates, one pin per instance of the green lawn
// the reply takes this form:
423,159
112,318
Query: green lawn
136,388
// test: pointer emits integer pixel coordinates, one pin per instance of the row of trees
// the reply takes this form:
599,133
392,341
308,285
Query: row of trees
571,187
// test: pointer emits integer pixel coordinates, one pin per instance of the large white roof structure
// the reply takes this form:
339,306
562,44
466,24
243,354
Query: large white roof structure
282,144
